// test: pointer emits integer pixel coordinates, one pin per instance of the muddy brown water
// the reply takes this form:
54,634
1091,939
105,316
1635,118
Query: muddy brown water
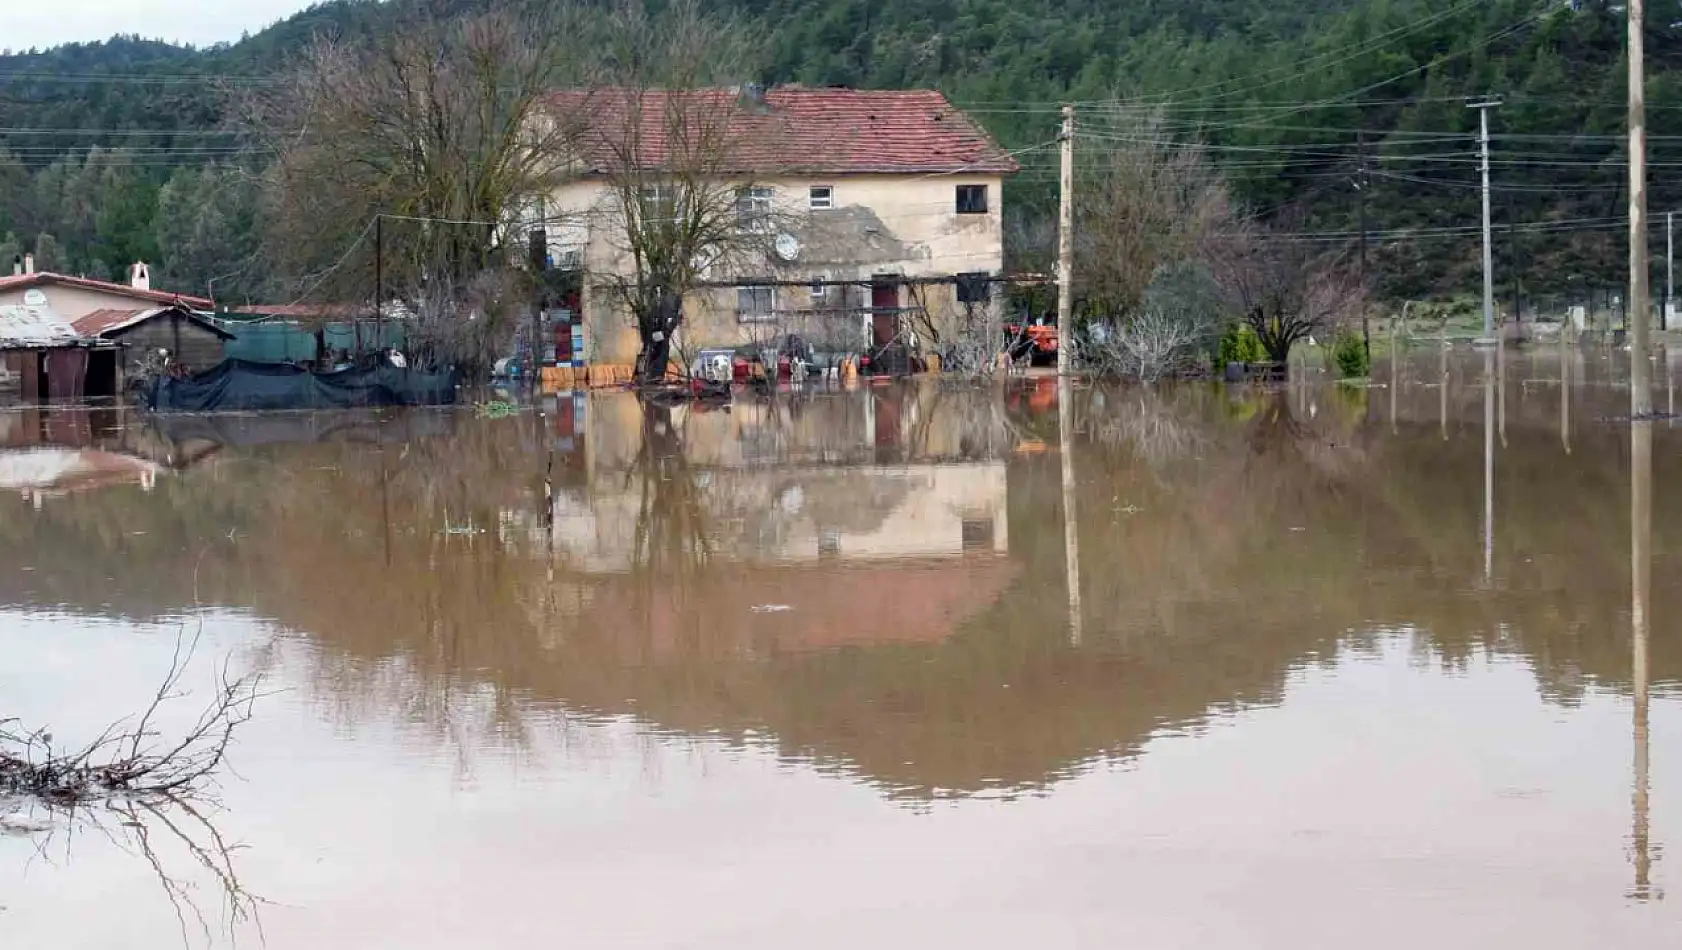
805,673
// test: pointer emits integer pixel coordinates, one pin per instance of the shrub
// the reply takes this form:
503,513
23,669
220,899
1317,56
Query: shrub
1350,355
1239,344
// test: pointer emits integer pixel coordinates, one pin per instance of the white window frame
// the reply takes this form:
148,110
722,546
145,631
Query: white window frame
652,197
820,288
747,295
826,203
754,204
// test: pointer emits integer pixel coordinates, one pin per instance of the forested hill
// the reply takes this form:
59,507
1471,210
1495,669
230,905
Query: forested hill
1297,99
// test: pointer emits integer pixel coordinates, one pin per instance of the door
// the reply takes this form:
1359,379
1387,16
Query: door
884,305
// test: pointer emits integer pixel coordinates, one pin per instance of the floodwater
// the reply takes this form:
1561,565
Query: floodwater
1381,668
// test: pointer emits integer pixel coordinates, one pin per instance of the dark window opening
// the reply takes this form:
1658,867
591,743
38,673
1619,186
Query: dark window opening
972,288
972,199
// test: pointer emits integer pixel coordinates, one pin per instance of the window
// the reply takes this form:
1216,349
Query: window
972,199
660,204
820,288
972,287
755,303
821,198
753,209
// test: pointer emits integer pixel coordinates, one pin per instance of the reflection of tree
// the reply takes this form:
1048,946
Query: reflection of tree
671,533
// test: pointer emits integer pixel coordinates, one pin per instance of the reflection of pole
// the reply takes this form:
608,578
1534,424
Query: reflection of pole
1565,393
1071,542
1488,467
1640,568
1501,387
1442,380
1395,383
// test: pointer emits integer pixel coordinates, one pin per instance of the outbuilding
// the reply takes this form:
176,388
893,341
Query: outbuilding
190,338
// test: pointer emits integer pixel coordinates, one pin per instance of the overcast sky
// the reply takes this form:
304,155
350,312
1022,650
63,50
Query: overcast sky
43,23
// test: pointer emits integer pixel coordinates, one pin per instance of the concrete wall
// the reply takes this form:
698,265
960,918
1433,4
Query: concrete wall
900,225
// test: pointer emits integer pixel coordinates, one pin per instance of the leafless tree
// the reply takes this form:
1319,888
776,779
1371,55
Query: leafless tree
150,793
666,131
1287,289
1145,202
1145,347
440,126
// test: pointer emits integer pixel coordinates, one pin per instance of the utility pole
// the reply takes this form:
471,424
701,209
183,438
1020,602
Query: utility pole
379,276
1361,200
1066,242
1669,269
1483,106
1512,259
1639,315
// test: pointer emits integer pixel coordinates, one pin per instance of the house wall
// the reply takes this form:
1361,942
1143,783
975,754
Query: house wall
74,303
200,348
901,225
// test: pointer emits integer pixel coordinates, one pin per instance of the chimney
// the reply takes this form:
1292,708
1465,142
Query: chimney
29,263
753,96
140,278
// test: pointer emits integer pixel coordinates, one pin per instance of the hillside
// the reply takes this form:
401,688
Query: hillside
1294,99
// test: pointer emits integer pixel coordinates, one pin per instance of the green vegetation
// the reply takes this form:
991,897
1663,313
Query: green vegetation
114,151
1349,352
1239,344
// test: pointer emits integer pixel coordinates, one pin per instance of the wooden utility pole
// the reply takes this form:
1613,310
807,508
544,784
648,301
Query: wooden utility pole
1066,242
1637,309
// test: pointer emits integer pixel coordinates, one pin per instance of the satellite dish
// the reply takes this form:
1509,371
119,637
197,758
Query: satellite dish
787,247
34,298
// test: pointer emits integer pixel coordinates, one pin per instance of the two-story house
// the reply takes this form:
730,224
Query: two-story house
879,213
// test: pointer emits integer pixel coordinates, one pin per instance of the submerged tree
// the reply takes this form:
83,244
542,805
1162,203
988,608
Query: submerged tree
1286,289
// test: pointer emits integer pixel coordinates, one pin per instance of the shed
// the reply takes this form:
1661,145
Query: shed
189,337
44,356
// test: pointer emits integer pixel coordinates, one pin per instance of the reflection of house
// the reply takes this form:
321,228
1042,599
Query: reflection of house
56,470
876,209
190,338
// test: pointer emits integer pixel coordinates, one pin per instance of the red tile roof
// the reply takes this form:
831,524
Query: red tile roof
798,130
26,281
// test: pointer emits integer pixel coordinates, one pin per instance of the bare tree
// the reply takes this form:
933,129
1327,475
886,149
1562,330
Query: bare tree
440,126
1287,289
667,132
150,792
1145,202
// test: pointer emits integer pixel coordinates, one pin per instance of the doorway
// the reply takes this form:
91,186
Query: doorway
884,308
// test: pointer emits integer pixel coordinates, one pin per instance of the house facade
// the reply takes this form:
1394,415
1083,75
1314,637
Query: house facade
73,298
865,218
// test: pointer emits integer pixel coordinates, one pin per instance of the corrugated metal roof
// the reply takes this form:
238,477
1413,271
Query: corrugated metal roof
26,325
104,321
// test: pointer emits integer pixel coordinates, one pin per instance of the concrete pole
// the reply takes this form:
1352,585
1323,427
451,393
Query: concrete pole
1669,268
1638,311
1483,108
1066,243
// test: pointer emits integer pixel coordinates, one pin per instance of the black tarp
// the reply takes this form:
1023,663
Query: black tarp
239,386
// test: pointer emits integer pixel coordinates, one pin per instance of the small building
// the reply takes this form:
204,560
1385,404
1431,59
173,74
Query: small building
190,338
43,357
75,297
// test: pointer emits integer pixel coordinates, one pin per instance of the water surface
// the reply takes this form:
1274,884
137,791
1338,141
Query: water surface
1349,666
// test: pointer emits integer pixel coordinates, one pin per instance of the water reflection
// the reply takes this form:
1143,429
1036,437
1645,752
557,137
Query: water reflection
1641,556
